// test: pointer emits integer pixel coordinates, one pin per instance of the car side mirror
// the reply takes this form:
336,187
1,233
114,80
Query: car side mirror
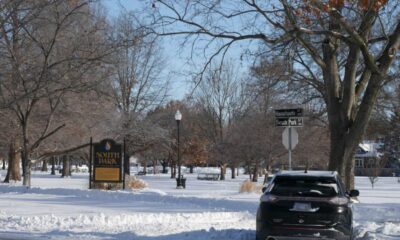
354,193
263,189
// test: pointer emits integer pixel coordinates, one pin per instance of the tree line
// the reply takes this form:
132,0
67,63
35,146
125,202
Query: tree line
68,73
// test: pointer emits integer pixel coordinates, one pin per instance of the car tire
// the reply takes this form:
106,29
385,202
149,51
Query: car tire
259,236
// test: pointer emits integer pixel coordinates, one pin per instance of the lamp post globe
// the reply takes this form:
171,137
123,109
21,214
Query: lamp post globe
178,116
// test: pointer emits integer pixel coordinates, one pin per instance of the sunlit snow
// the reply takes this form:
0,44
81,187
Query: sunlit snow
64,208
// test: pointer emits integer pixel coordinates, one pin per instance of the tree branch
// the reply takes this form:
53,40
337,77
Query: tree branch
60,152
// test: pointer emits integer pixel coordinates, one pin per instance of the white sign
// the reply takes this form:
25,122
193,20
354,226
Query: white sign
294,138
286,122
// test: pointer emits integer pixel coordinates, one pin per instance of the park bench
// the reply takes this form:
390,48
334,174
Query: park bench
208,176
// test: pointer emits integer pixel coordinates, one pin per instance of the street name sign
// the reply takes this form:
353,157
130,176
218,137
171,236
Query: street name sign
288,113
289,122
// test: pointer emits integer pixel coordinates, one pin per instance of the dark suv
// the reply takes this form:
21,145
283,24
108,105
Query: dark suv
305,205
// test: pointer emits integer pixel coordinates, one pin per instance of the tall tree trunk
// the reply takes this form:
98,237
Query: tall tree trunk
345,140
249,171
28,165
145,167
255,172
4,164
172,164
7,179
154,167
191,169
26,162
44,166
222,172
164,165
347,121
13,171
127,165
336,157
66,170
53,166
15,168
349,176
233,175
266,175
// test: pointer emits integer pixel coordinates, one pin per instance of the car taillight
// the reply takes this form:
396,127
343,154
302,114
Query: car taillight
268,198
339,201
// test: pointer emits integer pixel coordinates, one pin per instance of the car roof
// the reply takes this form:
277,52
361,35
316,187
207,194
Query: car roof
303,173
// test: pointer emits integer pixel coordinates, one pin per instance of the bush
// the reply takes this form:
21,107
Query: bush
132,182
249,187
107,186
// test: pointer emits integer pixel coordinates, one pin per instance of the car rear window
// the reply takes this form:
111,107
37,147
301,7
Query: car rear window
307,187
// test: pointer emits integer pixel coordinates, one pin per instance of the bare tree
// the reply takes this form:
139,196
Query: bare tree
344,50
46,57
85,115
218,94
138,84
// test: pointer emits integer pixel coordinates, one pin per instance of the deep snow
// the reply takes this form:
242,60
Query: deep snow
57,208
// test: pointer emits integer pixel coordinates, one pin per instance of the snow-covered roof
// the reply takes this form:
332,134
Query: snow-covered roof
366,147
308,173
369,149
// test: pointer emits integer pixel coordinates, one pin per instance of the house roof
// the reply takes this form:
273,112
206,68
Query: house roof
368,149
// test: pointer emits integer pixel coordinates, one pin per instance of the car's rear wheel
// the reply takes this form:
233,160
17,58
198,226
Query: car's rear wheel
261,235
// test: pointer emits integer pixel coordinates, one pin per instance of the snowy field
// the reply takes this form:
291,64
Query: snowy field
56,208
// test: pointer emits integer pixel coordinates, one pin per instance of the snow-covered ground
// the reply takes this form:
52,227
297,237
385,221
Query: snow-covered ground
56,208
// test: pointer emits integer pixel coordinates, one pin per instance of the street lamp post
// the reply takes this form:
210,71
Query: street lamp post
178,118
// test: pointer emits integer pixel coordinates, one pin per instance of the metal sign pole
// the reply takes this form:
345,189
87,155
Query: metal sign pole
289,118
124,166
290,148
90,164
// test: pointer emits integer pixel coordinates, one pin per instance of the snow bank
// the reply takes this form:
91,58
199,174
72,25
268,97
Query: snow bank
66,209
138,225
146,195
373,221
144,214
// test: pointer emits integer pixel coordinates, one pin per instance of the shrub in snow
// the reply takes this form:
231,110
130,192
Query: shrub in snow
248,186
132,182
107,186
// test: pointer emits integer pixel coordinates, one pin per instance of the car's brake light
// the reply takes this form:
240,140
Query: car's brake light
268,198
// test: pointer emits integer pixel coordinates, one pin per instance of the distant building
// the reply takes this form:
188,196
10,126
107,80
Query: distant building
368,154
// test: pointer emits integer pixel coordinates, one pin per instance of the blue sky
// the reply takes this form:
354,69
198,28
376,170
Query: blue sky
179,84
176,65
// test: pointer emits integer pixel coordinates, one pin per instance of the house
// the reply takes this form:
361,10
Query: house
370,156
367,154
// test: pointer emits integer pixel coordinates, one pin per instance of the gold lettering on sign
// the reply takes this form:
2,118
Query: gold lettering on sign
107,158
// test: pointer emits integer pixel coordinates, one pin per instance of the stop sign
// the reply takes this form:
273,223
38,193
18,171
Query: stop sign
293,135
